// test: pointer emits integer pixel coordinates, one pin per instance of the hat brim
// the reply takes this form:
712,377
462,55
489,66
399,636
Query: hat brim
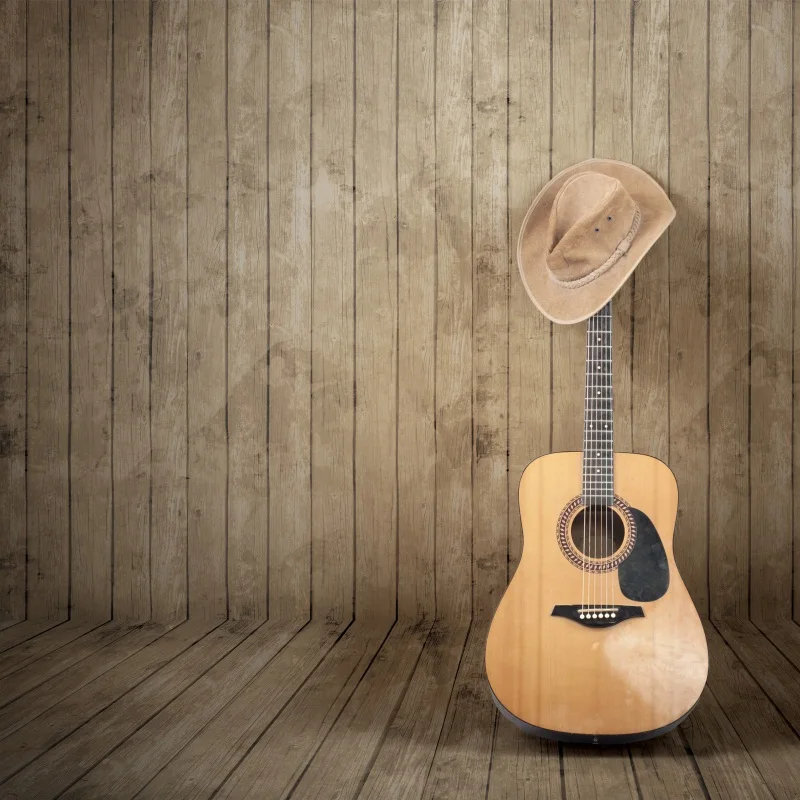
566,305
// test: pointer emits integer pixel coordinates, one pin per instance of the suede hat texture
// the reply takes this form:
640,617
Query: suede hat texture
585,233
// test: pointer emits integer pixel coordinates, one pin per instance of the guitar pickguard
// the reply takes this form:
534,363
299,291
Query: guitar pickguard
644,574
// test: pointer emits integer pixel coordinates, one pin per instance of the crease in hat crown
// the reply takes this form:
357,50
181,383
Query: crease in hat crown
592,223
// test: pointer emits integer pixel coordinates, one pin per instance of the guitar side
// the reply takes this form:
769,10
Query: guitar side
627,681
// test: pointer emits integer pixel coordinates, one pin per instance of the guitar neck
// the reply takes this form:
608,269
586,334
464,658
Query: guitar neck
598,424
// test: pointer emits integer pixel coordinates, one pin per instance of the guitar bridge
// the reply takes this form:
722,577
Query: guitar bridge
598,616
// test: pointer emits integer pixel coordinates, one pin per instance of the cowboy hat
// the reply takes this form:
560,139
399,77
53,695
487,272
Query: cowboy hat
585,233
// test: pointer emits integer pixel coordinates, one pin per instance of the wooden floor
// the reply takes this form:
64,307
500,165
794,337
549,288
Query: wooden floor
313,709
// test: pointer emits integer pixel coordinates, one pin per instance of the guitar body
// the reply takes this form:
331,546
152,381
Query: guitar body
636,668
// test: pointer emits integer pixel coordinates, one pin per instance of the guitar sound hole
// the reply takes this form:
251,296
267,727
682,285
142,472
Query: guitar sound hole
597,532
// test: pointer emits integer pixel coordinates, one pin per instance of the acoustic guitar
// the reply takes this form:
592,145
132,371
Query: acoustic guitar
596,639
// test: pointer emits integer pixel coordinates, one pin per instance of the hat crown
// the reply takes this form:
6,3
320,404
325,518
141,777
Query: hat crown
593,220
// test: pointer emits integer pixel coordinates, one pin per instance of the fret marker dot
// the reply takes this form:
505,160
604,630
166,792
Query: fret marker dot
598,454
598,393
598,470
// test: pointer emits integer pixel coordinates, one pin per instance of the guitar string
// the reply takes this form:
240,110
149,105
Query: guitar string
610,445
604,452
584,486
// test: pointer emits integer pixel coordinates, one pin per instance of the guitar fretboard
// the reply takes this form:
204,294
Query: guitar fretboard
598,426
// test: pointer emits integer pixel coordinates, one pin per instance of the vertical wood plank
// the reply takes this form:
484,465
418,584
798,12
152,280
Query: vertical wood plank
207,309
771,308
729,335
132,276
376,309
688,290
453,310
169,371
48,310
13,291
90,344
333,320
248,304
490,309
290,307
572,121
613,138
796,342
416,193
650,150
528,171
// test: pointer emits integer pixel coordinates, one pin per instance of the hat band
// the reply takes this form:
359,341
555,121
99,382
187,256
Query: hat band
620,251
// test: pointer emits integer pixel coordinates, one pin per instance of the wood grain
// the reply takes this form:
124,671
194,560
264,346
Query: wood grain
132,309
726,767
523,767
650,151
210,757
290,307
453,311
490,305
91,313
771,309
333,310
463,754
13,318
68,759
38,735
376,310
33,700
48,313
755,718
404,759
688,291
528,171
346,755
130,769
282,754
729,288
613,138
207,310
248,309
572,141
168,380
416,310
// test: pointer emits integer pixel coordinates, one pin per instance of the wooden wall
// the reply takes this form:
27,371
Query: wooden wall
264,346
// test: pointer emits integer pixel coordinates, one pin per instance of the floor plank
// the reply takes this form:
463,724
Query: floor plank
665,769
162,742
463,754
34,697
785,635
523,767
22,631
246,674
97,701
30,675
768,737
50,642
725,766
773,672
598,772
205,762
405,757
281,755
345,757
